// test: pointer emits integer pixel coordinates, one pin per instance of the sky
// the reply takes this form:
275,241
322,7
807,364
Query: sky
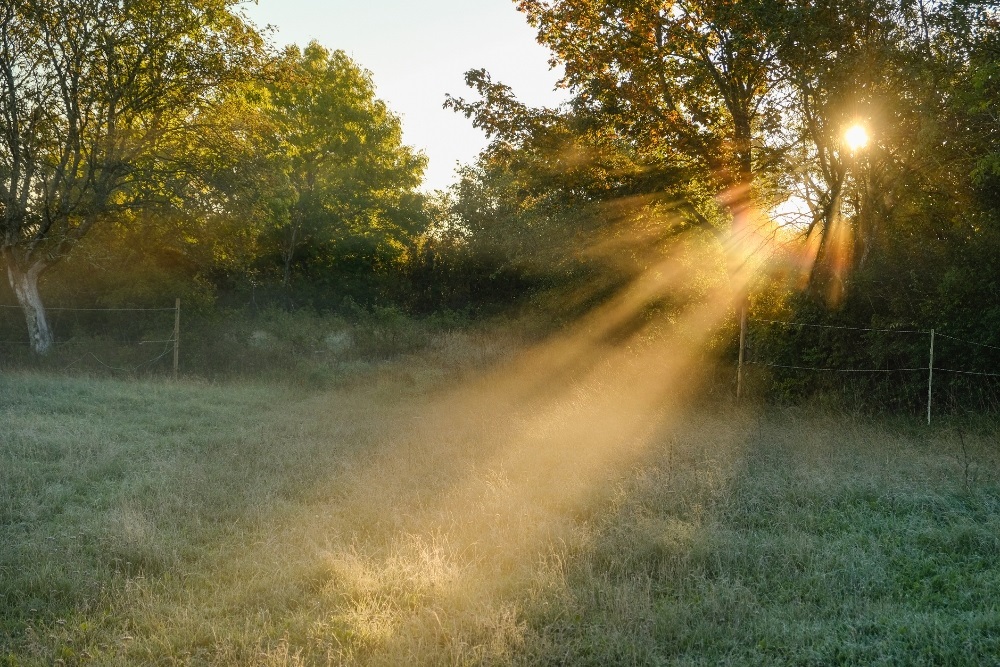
419,51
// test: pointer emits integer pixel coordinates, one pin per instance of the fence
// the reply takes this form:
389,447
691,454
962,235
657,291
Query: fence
892,359
79,328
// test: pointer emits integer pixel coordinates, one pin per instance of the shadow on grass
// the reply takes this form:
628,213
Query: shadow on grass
830,541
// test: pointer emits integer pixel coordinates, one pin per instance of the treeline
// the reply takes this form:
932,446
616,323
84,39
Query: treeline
143,158
151,154
158,149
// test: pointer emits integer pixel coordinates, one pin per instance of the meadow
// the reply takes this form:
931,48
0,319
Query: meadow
480,502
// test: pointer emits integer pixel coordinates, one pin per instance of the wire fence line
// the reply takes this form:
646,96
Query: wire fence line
953,370
936,332
969,342
145,334
125,369
930,369
870,370
837,370
95,310
120,341
833,326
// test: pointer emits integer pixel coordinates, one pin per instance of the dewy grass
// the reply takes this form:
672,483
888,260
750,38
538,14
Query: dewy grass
412,518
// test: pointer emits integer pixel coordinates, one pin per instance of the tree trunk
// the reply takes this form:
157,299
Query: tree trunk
25,286
740,248
287,256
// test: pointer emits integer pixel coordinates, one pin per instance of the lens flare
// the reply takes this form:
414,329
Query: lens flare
856,137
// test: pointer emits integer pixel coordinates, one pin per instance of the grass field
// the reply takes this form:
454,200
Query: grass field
544,508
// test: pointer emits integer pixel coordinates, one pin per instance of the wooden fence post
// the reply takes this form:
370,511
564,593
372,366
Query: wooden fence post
177,334
930,378
743,343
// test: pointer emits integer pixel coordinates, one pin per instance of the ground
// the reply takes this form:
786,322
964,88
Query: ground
529,507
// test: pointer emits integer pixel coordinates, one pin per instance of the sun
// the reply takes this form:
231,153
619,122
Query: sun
856,137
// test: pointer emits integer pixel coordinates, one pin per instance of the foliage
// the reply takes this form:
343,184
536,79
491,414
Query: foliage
348,180
689,115
184,148
565,200
98,99
293,188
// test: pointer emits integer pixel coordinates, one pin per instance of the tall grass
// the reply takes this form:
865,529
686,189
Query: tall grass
437,509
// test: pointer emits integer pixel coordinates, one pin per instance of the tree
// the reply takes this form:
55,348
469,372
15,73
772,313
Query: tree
742,103
751,99
542,190
897,67
691,82
695,78
98,101
348,177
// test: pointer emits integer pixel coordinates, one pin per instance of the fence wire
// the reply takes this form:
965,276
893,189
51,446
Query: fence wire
968,342
833,326
930,352
837,370
138,342
952,370
97,310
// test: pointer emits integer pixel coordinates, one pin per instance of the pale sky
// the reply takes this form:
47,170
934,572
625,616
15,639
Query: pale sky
419,51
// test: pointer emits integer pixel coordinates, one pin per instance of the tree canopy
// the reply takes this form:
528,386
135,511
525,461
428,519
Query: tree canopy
347,176
729,117
98,98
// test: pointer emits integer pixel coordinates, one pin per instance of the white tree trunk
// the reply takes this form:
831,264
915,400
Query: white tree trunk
25,286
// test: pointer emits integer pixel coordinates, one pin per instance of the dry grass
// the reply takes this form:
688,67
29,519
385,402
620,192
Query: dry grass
564,507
